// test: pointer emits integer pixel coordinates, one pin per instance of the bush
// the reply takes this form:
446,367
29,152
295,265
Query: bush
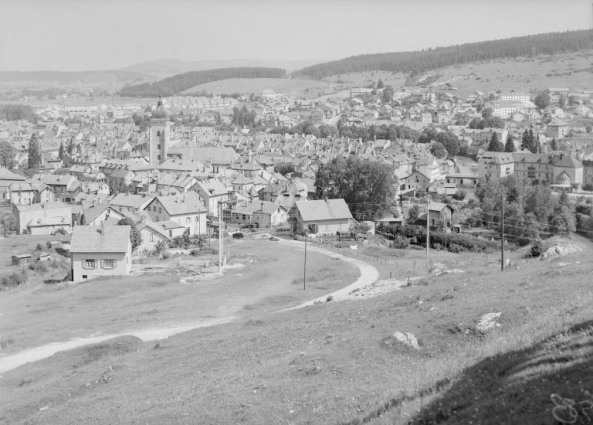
537,249
456,249
13,280
400,242
522,242
38,266
588,187
460,195
238,235
38,247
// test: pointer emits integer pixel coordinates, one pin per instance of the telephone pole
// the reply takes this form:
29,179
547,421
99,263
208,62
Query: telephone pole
502,232
428,226
305,266
220,238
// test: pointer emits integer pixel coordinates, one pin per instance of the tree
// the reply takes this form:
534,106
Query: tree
414,213
542,100
487,113
388,93
284,168
380,84
495,145
588,129
554,145
7,154
428,135
367,187
460,195
70,146
438,150
61,151
135,235
34,152
449,141
563,101
510,144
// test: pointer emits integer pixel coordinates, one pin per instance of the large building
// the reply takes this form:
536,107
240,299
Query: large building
158,135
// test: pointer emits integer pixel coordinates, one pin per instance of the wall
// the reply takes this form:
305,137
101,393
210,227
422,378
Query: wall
123,266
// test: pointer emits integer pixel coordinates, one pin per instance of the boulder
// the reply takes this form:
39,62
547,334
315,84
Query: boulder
488,321
407,338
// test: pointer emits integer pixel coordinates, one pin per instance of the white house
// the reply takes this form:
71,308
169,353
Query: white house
100,251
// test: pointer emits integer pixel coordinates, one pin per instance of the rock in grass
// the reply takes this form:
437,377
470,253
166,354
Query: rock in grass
407,338
488,321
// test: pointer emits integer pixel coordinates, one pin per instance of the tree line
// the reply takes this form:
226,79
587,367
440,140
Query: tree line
17,112
178,83
428,59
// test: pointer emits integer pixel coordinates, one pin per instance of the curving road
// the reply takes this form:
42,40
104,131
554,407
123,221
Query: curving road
368,274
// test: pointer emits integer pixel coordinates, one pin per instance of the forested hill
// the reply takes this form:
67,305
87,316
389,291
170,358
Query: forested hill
178,83
429,59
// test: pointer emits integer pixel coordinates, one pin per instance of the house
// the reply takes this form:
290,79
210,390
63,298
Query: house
185,209
495,165
98,213
130,202
557,129
42,219
568,173
211,192
100,251
438,213
8,178
325,216
151,233
265,214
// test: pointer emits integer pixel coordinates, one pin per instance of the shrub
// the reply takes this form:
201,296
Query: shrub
522,242
237,235
13,280
537,249
460,195
456,249
38,266
38,247
400,242
48,244
588,187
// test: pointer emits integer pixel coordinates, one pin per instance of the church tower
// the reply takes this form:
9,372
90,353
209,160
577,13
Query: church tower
158,135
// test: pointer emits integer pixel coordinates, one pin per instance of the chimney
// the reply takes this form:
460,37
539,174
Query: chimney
103,228
262,207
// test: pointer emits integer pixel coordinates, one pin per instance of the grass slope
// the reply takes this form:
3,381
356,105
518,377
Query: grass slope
337,362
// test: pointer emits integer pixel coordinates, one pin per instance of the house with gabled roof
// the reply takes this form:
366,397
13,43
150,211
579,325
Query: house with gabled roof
100,251
325,216
211,192
152,233
130,202
42,219
186,209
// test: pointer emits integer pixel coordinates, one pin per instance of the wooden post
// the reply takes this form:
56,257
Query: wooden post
428,226
220,238
502,232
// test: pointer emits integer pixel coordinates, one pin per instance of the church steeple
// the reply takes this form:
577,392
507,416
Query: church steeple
158,135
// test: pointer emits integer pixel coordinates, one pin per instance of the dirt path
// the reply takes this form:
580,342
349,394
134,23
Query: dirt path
368,275
153,334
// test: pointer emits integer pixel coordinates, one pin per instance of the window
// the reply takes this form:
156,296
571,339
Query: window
109,264
158,134
89,264
159,157
188,220
151,237
160,210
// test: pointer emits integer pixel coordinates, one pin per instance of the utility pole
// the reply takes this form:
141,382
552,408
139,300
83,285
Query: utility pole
220,238
428,226
305,266
502,232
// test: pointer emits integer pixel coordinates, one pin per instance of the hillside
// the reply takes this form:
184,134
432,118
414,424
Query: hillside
573,70
258,85
164,68
179,83
429,59
339,362
72,77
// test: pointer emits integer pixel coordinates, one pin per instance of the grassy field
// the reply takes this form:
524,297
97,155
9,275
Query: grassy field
258,85
37,313
338,362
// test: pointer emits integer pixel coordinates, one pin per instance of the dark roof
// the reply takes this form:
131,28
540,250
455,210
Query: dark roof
107,238
569,162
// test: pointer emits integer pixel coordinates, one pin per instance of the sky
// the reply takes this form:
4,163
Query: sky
79,35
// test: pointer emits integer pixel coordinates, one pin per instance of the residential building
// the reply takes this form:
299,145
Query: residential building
100,251
185,209
42,219
325,216
495,165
